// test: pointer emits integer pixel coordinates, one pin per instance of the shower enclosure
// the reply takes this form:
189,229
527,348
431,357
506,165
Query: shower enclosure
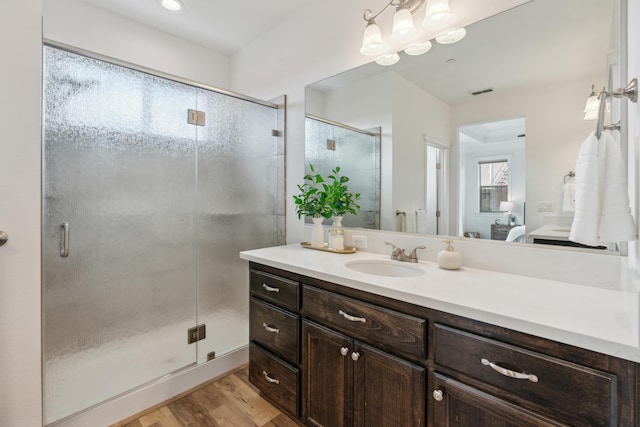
329,144
151,187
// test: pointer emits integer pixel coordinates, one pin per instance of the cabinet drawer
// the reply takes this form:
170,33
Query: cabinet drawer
384,328
275,329
276,379
278,290
571,393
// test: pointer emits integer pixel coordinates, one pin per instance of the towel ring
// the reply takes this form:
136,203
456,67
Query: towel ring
571,174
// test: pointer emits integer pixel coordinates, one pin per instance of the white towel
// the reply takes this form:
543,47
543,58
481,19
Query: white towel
602,202
421,221
410,224
569,196
616,224
586,220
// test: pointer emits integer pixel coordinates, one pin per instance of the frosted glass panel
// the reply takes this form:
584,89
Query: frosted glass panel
239,168
119,168
358,155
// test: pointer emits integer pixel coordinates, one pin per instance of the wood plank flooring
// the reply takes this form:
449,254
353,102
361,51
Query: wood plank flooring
226,401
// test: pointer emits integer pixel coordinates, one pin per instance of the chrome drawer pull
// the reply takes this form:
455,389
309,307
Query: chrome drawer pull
510,373
344,351
266,376
438,395
355,356
269,288
270,328
352,318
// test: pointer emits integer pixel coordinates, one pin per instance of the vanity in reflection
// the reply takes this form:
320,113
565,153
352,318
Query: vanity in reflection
343,353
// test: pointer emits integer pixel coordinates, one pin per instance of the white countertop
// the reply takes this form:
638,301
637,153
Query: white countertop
601,320
551,232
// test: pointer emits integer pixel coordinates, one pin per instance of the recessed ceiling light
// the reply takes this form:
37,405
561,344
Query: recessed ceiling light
388,59
172,5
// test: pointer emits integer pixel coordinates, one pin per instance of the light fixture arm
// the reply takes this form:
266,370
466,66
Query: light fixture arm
412,5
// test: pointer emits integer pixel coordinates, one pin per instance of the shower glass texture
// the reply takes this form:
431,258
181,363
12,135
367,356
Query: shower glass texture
152,227
358,155
238,180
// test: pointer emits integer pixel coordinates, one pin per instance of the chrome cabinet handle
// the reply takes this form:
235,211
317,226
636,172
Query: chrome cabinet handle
269,288
3,238
64,250
270,328
352,318
438,395
355,356
344,351
509,373
266,376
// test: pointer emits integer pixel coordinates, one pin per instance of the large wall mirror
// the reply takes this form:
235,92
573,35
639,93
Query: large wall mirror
479,137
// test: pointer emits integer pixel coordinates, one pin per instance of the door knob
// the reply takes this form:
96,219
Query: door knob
3,238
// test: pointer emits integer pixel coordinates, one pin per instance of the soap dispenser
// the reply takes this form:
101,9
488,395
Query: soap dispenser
449,259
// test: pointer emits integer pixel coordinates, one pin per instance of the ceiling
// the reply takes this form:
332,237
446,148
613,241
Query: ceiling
223,26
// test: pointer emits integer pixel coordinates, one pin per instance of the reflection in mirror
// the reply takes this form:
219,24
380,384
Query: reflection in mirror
357,153
536,62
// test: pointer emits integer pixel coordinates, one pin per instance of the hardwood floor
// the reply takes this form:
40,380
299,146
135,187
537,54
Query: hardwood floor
225,401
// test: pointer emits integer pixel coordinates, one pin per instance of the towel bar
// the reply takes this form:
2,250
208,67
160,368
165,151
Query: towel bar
630,91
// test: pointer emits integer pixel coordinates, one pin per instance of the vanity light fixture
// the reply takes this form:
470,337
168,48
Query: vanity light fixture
418,48
437,10
404,30
452,36
592,104
390,59
172,5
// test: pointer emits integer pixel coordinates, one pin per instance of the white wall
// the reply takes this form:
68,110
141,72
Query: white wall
552,145
85,26
20,77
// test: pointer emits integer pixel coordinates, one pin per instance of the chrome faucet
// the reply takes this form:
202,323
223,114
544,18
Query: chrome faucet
400,255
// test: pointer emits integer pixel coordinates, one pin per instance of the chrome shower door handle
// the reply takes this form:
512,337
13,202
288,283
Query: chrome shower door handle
64,247
3,238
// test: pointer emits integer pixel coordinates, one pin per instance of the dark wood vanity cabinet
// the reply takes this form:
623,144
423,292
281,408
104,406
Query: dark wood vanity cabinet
350,358
274,334
349,383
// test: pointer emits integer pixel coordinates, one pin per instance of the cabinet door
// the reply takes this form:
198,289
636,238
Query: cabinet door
327,377
458,405
388,391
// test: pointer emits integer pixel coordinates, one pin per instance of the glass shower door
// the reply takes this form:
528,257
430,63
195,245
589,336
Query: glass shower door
240,207
119,227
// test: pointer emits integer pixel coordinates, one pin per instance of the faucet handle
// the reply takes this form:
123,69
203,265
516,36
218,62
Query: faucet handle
391,244
413,256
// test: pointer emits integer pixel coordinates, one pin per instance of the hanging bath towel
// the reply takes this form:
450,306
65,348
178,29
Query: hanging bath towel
616,224
586,220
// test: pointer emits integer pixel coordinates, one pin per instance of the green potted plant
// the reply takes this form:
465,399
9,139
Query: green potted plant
313,201
341,200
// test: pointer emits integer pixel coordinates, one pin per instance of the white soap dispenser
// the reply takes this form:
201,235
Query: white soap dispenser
449,259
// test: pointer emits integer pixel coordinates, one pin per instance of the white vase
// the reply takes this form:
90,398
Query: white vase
337,221
317,233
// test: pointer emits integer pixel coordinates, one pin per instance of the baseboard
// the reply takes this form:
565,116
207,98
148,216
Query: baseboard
158,391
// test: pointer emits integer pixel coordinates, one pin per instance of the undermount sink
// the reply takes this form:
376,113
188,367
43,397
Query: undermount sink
385,268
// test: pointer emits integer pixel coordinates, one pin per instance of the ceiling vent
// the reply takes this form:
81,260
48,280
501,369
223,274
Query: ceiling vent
480,92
